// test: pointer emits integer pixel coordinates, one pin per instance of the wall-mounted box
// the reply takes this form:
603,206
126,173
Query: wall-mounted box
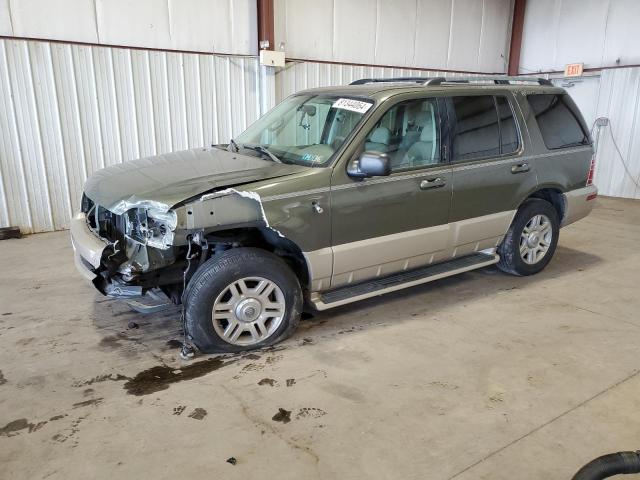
272,58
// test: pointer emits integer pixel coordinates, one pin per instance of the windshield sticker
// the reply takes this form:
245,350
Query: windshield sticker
353,105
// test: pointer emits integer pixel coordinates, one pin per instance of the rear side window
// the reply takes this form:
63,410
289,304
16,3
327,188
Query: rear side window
559,120
477,134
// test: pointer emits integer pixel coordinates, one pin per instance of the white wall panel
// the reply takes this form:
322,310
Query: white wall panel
68,110
54,19
221,26
469,35
350,39
619,100
597,33
6,26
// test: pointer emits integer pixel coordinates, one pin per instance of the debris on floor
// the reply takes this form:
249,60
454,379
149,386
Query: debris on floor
283,416
232,460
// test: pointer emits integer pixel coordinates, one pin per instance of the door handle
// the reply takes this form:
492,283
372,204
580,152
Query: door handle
432,183
521,167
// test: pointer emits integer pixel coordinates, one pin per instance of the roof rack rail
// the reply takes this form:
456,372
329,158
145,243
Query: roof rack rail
364,81
503,80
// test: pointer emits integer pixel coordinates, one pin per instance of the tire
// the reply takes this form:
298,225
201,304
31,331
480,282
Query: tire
511,259
233,281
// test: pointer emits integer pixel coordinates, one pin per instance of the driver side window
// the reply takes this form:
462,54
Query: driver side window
409,134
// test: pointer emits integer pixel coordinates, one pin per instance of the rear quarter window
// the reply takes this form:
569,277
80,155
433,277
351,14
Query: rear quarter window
559,120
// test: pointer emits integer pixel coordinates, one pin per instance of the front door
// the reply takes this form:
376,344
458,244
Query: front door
388,224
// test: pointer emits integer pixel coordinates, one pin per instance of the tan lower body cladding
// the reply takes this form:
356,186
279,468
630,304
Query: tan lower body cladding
381,256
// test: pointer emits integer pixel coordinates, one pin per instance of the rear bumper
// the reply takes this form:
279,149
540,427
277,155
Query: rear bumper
87,247
578,203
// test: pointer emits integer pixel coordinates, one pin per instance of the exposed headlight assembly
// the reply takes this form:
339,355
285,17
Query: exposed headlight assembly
154,228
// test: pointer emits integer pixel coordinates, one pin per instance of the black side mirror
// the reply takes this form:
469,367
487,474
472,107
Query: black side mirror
370,164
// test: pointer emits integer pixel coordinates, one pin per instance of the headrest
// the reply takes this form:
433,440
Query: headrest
427,134
381,135
421,118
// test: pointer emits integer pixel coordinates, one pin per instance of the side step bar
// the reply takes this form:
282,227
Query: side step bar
398,281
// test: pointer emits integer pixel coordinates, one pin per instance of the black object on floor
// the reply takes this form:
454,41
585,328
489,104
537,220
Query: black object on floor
609,465
10,232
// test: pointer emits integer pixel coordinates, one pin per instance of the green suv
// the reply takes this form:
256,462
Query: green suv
340,194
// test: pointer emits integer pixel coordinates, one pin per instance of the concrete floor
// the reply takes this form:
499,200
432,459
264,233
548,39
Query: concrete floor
482,376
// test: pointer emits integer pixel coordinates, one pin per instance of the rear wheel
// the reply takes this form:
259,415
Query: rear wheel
242,299
531,239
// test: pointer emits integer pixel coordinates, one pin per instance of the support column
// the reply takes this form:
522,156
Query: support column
517,26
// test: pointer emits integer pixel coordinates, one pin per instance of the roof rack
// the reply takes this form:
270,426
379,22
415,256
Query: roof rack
456,80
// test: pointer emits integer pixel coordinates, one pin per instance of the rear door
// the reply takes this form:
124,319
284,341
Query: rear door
491,175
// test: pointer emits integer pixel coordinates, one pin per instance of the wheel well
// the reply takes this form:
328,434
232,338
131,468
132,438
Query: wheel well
554,197
266,239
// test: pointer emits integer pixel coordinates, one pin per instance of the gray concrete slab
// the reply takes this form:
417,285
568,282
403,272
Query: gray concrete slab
480,376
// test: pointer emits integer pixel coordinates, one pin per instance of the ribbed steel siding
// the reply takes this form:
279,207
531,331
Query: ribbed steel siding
68,110
619,100
298,76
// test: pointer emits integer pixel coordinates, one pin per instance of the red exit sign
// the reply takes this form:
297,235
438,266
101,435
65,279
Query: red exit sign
573,70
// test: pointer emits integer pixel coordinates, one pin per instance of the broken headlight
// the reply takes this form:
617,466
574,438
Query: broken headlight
151,227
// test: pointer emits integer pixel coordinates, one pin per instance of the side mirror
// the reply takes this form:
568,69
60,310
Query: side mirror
370,164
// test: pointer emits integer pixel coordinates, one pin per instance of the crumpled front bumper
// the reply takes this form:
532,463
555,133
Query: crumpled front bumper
88,250
87,247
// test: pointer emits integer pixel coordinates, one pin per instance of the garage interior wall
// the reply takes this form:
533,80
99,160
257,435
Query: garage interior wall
467,35
176,74
603,35
69,109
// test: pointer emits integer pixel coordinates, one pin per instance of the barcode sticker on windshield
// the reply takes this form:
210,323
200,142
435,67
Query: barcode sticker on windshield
353,105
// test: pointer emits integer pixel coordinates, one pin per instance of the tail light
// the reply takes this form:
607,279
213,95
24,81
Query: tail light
592,169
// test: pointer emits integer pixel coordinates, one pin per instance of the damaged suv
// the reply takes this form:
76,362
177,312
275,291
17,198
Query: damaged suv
337,195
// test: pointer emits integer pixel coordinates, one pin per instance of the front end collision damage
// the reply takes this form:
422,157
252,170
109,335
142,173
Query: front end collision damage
152,240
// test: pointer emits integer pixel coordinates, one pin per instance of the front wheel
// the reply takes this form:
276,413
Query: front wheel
531,239
242,299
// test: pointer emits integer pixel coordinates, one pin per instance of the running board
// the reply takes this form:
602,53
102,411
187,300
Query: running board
398,281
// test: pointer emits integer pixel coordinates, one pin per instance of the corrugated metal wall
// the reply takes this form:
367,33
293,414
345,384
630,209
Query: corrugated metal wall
68,110
618,173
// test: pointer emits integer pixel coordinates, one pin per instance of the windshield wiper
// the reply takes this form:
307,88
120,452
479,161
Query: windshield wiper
233,143
264,151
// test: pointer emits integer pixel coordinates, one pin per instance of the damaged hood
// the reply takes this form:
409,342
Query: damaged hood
163,181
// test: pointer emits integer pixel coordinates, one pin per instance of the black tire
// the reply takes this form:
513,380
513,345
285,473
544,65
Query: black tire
216,274
509,250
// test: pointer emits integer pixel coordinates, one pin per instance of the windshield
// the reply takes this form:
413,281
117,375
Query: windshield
306,129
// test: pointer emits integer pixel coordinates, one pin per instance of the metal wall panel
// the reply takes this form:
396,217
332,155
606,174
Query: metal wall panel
222,26
618,174
598,33
69,110
469,35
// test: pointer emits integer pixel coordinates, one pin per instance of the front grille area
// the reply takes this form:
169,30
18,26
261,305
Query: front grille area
103,222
